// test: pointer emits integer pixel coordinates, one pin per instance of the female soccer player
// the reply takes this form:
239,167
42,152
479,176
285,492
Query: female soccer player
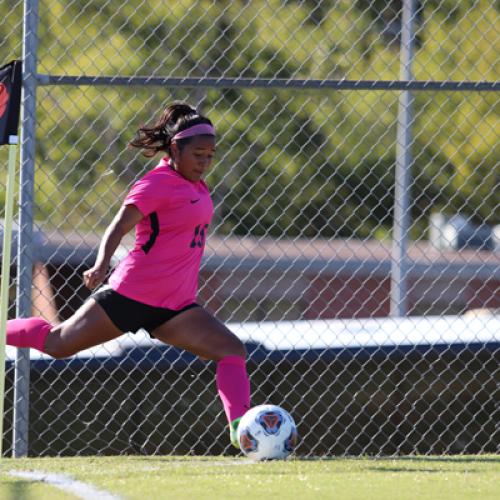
155,286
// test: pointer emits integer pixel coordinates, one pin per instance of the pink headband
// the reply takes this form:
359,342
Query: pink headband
201,129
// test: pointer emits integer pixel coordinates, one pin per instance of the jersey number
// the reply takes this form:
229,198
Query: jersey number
199,236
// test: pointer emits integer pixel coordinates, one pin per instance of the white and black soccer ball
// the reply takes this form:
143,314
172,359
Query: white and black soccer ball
267,432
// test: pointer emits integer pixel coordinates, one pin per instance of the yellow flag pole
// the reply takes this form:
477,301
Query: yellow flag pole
4,287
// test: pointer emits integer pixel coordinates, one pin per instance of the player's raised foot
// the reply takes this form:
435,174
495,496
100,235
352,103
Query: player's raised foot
233,429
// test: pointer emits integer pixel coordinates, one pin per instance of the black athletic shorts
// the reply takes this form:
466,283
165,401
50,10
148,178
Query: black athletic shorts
129,315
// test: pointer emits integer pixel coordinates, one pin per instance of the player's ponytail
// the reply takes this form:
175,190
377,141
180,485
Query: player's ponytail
158,137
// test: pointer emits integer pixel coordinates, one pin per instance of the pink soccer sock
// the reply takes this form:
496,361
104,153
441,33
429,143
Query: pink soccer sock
28,332
233,386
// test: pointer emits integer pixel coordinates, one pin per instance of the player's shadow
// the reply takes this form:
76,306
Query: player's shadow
412,471
453,459
371,462
434,459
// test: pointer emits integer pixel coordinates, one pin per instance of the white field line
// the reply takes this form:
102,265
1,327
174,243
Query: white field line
66,483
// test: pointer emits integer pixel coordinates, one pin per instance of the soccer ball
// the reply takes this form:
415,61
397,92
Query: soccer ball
267,432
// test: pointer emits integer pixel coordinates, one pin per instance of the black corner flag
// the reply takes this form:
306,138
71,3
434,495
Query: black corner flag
10,99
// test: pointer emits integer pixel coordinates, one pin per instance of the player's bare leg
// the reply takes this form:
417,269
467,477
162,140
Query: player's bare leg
200,333
88,327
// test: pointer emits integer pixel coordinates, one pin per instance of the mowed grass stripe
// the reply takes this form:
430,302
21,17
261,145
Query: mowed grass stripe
138,477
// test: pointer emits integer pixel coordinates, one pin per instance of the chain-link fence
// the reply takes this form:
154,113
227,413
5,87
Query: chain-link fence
355,245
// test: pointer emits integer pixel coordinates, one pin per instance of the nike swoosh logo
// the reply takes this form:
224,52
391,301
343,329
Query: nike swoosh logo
195,201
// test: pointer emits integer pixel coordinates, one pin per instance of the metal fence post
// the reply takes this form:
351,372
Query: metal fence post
402,189
25,241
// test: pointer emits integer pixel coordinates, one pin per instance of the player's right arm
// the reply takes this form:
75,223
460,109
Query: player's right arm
126,218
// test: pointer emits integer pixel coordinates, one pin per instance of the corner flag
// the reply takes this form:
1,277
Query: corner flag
10,103
10,100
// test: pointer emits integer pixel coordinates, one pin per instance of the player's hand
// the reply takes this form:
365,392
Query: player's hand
94,276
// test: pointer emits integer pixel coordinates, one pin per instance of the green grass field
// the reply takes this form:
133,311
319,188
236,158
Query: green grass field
131,477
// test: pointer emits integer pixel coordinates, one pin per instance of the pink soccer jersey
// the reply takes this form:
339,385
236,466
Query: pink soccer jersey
162,269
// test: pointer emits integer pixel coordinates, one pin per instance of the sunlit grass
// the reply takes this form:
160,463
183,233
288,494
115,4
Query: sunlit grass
454,478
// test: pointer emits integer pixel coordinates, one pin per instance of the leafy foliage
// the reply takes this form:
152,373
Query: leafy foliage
290,162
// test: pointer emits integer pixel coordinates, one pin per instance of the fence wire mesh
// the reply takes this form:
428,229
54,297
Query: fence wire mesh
299,254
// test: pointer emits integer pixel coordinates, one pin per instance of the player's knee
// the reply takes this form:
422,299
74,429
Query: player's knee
232,346
237,348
